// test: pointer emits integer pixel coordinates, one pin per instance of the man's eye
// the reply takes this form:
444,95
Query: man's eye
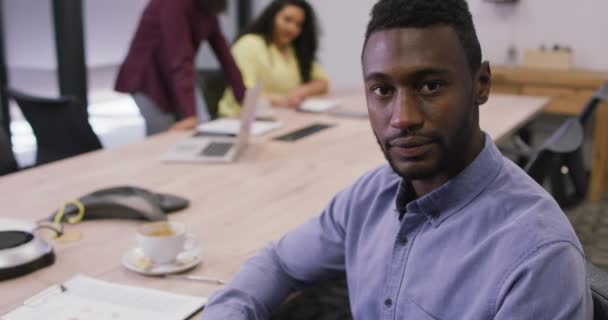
431,87
382,91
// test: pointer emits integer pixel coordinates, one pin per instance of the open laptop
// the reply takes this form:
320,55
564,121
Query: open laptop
218,149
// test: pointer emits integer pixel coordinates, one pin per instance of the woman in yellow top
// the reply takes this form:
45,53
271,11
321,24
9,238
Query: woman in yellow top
279,49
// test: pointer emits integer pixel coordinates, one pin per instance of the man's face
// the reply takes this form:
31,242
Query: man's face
423,100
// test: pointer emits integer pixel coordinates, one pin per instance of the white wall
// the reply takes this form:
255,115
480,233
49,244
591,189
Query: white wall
109,26
527,24
532,23
29,36
342,32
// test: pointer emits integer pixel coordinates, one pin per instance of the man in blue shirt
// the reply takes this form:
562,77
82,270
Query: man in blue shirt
449,229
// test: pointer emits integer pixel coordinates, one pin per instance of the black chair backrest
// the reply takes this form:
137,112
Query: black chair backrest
560,163
213,85
7,158
600,95
60,125
598,281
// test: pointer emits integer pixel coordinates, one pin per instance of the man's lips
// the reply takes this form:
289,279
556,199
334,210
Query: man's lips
409,142
410,147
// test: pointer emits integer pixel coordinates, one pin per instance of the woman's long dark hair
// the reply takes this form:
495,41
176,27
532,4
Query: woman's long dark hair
213,6
305,45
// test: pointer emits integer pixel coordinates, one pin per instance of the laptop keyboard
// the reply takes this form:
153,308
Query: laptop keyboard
217,149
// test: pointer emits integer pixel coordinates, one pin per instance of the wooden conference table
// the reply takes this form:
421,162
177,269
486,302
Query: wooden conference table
235,208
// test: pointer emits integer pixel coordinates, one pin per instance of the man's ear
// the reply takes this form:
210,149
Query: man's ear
484,82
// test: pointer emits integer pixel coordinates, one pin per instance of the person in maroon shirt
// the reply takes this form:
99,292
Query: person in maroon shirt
159,70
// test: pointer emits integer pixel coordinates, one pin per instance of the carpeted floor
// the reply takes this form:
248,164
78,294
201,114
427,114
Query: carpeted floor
590,221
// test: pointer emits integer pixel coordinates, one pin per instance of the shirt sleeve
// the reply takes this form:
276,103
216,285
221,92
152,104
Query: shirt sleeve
310,253
179,50
551,284
248,53
231,71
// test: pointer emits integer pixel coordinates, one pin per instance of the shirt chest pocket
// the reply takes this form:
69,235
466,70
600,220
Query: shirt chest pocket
409,310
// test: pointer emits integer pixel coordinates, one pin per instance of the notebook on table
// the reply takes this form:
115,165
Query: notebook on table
86,298
218,148
318,105
231,127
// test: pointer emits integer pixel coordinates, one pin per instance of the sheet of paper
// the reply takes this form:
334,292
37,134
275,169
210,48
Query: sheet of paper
232,126
318,105
87,298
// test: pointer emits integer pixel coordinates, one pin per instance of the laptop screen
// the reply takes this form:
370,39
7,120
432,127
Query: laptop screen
247,116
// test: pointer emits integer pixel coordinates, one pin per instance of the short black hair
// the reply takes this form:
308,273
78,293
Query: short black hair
390,14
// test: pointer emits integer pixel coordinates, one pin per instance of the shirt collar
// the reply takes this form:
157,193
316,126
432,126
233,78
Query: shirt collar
455,194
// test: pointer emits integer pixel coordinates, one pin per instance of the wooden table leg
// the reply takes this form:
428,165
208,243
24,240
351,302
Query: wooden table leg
599,163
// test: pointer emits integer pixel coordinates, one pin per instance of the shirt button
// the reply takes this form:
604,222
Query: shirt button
388,303
403,240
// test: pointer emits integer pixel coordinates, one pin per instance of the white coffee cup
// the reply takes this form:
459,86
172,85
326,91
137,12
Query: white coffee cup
161,241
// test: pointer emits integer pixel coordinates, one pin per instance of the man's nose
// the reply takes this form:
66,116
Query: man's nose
407,114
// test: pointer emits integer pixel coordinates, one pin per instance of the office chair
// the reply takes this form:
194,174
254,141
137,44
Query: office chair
600,95
332,302
325,301
213,85
520,148
558,164
60,125
598,281
7,158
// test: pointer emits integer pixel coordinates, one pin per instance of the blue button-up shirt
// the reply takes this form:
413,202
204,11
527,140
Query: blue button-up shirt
488,244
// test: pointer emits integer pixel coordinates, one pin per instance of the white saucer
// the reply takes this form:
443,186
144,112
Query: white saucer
136,261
